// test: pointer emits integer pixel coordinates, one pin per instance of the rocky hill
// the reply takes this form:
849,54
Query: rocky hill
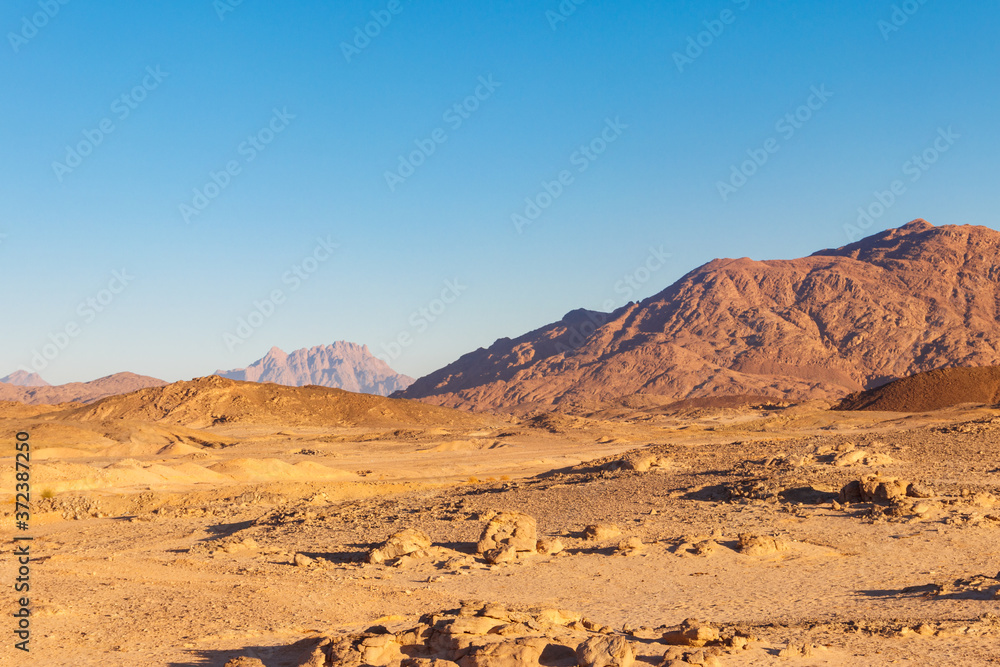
82,392
215,401
342,365
842,320
933,390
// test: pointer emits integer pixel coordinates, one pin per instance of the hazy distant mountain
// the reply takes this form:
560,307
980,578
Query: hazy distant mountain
24,379
841,320
342,365
83,392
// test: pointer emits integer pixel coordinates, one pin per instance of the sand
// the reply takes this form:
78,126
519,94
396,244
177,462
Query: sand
183,554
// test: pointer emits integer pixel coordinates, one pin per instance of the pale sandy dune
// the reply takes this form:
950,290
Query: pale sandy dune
454,446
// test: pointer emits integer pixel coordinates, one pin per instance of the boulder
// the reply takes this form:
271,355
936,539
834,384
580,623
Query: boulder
691,632
509,529
519,653
605,652
399,544
874,489
550,547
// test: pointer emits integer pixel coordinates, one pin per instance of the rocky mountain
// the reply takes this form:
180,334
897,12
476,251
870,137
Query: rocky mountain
342,365
24,379
842,320
82,392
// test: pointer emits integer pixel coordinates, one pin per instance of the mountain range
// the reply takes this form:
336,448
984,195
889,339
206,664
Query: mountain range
81,392
343,365
839,321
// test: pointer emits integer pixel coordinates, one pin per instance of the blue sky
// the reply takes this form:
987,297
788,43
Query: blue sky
117,117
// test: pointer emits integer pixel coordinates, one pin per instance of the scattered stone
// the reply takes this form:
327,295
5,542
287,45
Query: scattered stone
873,460
984,500
301,560
630,546
874,489
643,462
504,554
381,651
605,652
917,490
601,532
509,529
244,661
706,547
796,650
760,545
691,632
506,654
849,458
549,547
399,544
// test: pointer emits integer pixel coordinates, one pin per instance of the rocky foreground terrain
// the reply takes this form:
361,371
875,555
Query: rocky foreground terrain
742,534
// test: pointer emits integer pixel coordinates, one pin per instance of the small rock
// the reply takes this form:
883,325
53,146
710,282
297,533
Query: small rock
605,652
504,554
760,545
399,544
549,547
601,531
512,529
691,633
630,546
244,661
916,490
849,458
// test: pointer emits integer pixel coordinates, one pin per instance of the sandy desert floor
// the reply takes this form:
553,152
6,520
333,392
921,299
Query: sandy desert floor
254,542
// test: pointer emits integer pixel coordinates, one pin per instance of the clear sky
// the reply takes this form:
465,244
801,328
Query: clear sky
213,154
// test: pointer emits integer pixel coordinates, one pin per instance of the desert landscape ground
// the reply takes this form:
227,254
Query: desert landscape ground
216,523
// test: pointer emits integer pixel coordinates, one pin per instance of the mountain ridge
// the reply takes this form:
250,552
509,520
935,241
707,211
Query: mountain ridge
835,322
78,392
342,365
